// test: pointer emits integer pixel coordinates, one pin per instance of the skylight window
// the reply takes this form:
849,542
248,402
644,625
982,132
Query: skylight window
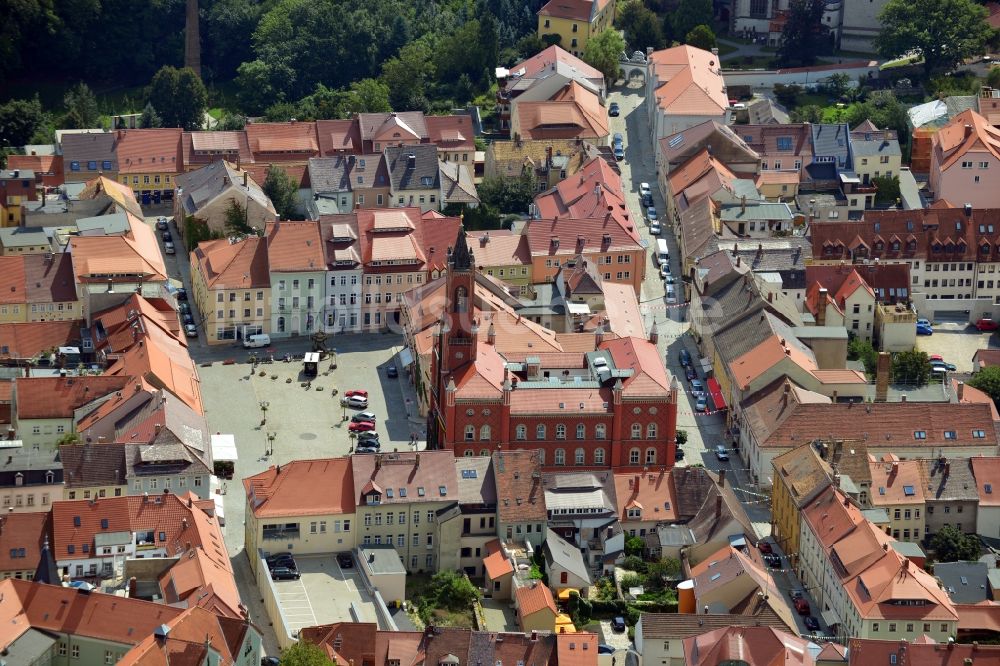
949,434
443,490
988,488
470,473
909,491
881,490
978,434
716,576
402,492
420,491
919,434
388,492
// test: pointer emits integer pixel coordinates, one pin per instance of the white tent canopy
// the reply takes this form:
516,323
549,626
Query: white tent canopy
224,448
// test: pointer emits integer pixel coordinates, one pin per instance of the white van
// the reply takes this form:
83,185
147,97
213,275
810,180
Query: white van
261,340
662,253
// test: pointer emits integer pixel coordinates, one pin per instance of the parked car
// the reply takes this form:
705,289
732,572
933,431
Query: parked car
618,624
701,404
812,624
619,153
671,295
647,199
941,365
281,560
801,605
690,373
665,270
392,372
167,238
721,453
365,449
363,416
654,228
169,248
354,392
987,324
697,388
360,426
181,294
617,139
614,110
652,214
355,401
923,322
187,318
161,224
924,330
191,330
935,357
368,435
270,661
183,307
283,573
644,189
669,279
685,357
345,560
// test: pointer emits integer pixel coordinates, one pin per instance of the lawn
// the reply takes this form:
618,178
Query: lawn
725,49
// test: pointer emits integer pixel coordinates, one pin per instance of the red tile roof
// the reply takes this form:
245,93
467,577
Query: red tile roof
534,597
543,60
987,472
751,645
294,247
283,142
579,649
227,265
870,652
405,477
405,233
12,284
650,492
519,486
690,82
649,377
27,339
21,538
574,111
57,397
49,279
496,563
297,489
344,642
453,132
966,131
896,482
149,150
831,516
200,148
338,136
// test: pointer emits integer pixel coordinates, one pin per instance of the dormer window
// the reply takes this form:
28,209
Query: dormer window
635,512
895,246
879,246
373,498
911,246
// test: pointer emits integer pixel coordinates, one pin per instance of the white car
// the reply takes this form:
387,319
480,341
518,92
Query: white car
355,401
654,228
644,189
671,295
665,271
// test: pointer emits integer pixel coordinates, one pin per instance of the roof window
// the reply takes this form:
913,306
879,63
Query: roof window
420,491
949,434
443,490
919,434
909,491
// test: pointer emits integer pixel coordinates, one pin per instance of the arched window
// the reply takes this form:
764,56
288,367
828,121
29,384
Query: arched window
470,432
560,431
579,457
522,432
633,457
560,456
50,477
468,453
461,299
484,433
650,456
598,456
281,324
599,431
636,431
651,431
540,431
581,431
484,452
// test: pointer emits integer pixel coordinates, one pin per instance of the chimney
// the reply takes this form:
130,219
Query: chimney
738,261
718,507
654,333
961,391
491,335
416,461
882,377
770,297
743,203
246,178
133,587
722,477
968,129
548,156
821,306
534,634
968,210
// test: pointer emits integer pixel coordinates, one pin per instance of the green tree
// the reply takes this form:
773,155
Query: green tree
810,113
150,118
260,84
179,96
528,46
634,546
987,380
667,568
236,220
408,74
281,191
911,367
952,545
602,53
993,77
690,14
944,32
804,36
884,110
305,654
859,349
838,84
19,120
196,231
634,563
641,25
681,437
81,108
888,189
787,95
228,25
702,37
508,195
20,22
369,96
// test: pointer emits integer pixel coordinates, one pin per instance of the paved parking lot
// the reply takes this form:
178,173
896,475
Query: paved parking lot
324,594
956,342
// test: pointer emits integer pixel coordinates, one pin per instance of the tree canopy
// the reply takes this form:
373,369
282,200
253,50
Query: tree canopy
602,51
19,120
641,25
987,380
690,14
81,108
281,191
804,36
952,545
884,109
911,367
179,97
304,654
702,37
944,32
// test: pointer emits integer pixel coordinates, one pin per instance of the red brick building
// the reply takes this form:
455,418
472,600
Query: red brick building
610,406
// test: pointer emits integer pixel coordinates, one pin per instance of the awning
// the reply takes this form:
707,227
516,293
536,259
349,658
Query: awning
224,448
830,617
405,357
716,392
563,594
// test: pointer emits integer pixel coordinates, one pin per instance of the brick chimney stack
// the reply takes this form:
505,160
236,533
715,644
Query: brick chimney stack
882,377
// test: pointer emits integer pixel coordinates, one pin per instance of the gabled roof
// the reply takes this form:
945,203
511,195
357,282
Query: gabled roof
300,488
227,265
406,477
95,257
149,150
422,172
121,194
58,397
49,279
457,185
93,465
871,652
89,147
550,59
28,339
293,141
752,645
574,112
294,247
203,147
164,362
220,178
987,473
650,492
394,127
565,555
649,377
803,472
534,597
576,10
21,539
968,131
690,82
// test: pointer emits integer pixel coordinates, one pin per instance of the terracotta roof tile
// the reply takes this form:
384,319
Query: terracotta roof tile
344,642
534,597
803,472
573,112
199,148
576,10
576,649
496,563
896,482
149,150
405,477
294,246
294,488
93,465
870,652
227,265
690,82
13,288
753,645
831,516
652,492
519,487
49,280
21,539
58,397
338,136
987,473
283,142
27,339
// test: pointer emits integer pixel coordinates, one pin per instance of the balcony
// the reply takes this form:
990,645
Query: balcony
280,535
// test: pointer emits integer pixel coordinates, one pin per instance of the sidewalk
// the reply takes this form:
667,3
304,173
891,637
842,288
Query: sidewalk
410,400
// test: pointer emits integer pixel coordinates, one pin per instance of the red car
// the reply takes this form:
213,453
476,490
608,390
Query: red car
363,394
361,426
985,324
802,606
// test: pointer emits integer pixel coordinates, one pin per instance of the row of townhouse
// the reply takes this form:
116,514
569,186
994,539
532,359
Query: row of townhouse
350,271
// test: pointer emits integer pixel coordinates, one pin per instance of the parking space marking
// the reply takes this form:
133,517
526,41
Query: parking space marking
291,606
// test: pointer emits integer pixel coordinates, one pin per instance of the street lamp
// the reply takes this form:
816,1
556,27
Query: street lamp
264,404
270,443
354,437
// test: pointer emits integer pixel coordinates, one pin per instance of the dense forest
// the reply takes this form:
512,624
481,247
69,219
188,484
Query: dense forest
272,54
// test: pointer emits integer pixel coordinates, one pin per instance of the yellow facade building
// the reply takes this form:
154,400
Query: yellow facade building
799,475
575,22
